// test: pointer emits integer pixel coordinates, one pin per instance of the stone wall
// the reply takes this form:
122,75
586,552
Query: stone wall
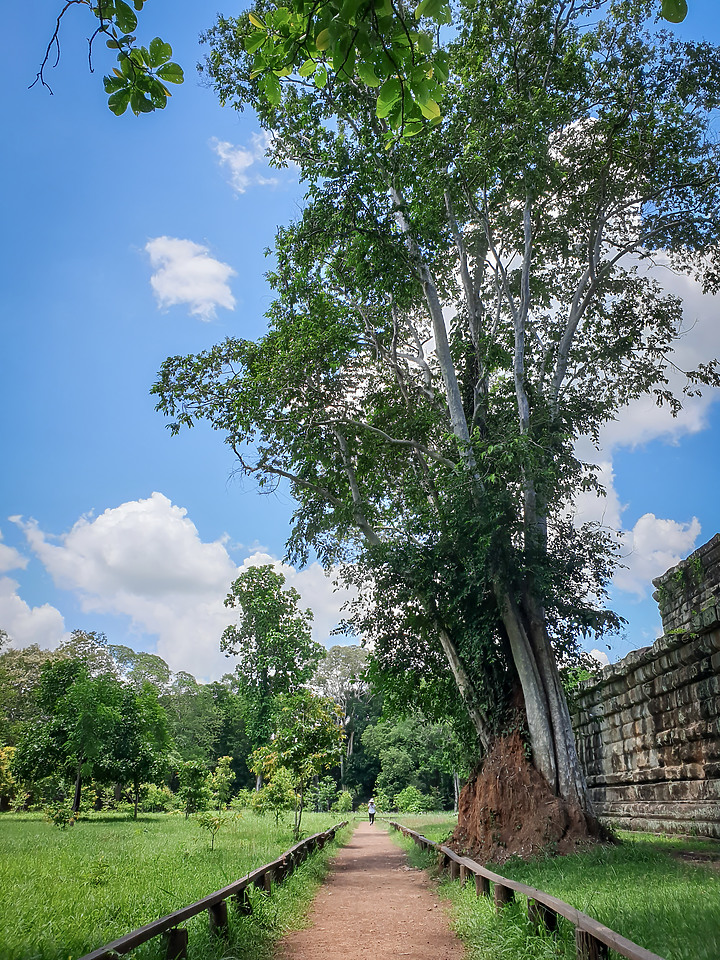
648,729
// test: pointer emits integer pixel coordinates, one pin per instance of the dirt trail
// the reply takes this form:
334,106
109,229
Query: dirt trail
373,906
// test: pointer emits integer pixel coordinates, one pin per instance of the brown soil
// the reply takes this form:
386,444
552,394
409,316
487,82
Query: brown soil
508,810
373,905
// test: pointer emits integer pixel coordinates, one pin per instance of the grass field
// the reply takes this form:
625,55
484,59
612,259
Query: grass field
641,888
65,893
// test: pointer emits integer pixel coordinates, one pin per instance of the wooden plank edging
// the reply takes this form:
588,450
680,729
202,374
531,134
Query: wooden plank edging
137,937
583,923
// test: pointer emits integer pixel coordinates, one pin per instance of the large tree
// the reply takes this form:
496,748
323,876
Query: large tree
452,312
273,643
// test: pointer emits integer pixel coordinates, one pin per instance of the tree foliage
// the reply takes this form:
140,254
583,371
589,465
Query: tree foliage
452,314
372,44
272,641
307,740
140,79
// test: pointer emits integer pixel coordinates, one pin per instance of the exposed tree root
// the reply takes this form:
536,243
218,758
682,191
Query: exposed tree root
508,810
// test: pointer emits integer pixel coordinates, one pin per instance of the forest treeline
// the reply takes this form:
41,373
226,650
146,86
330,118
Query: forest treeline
95,725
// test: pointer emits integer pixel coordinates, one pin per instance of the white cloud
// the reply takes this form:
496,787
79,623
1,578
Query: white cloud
10,558
652,547
602,658
145,560
240,160
43,625
186,273
654,544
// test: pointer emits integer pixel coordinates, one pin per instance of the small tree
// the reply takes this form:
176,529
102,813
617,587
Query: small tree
194,786
277,795
308,739
221,781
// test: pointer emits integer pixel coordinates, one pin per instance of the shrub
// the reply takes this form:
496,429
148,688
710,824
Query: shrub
411,800
61,815
157,799
343,804
243,800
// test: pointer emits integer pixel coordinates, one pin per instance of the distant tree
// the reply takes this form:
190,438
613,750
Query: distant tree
138,667
194,718
139,748
307,740
20,672
272,640
91,648
232,737
75,731
8,784
339,676
415,753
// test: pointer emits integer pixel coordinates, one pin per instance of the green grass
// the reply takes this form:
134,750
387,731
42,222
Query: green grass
435,826
65,893
637,888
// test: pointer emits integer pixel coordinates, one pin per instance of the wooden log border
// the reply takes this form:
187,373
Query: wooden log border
215,903
592,939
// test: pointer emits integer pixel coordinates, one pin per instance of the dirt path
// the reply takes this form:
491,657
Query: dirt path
373,906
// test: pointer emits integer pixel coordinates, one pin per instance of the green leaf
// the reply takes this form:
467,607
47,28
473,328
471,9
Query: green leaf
307,69
113,84
171,72
321,79
430,110
160,52
158,93
322,40
367,74
118,102
425,43
388,96
344,60
429,8
106,11
139,103
255,40
412,129
271,87
125,16
674,11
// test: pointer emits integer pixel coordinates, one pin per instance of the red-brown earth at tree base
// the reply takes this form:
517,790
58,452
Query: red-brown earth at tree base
508,810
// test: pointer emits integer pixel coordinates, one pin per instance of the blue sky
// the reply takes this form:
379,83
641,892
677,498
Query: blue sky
128,240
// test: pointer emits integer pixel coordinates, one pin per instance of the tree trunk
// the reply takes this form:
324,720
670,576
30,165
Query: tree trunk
464,685
258,782
456,790
78,788
552,739
136,785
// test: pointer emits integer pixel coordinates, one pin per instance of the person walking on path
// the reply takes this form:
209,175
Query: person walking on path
371,810
373,906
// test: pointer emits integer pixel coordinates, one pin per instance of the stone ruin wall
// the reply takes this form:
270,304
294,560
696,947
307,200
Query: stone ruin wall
648,729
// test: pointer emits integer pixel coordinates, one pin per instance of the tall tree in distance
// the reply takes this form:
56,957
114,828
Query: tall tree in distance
273,643
452,312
